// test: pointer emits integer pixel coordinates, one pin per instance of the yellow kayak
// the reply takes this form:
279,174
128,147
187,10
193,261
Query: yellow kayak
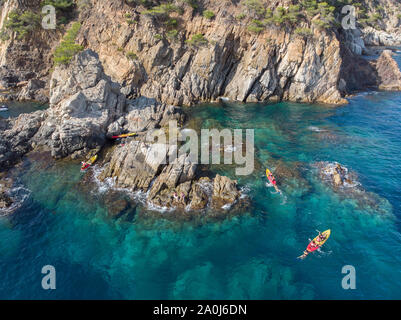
319,242
93,159
126,135
316,243
271,178
87,164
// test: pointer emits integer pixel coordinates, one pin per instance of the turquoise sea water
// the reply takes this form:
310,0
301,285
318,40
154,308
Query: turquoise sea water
65,221
16,108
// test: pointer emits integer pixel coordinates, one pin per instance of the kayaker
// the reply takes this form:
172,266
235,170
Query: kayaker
313,244
322,237
273,181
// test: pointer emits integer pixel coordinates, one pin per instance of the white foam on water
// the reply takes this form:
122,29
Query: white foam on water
316,129
224,98
245,191
269,184
138,196
227,206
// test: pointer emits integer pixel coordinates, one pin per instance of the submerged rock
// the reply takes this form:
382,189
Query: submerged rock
337,175
347,186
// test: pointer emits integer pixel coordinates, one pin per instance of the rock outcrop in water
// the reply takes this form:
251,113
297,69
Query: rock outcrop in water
388,72
34,90
16,137
137,165
381,74
346,185
5,199
83,103
336,175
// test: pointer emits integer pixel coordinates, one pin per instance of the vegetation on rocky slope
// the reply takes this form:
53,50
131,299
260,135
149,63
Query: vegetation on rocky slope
68,48
23,23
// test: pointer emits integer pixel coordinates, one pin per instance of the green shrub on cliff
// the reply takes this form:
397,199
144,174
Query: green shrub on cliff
163,10
192,3
64,9
256,7
304,32
197,40
4,36
256,26
22,23
172,34
131,55
241,16
67,49
208,14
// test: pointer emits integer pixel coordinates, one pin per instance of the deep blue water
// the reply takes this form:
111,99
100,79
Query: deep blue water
65,223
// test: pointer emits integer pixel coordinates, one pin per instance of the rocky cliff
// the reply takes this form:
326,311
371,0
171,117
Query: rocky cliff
85,108
186,52
162,55
83,103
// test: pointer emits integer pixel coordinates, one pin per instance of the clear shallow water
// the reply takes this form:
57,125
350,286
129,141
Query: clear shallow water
16,108
65,221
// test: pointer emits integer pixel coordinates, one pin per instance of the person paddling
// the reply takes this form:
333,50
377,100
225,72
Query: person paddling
273,181
316,243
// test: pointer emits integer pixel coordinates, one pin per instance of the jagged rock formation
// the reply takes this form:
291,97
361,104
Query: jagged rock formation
5,199
138,166
373,37
34,90
138,52
235,63
16,135
383,74
388,72
27,59
145,114
83,103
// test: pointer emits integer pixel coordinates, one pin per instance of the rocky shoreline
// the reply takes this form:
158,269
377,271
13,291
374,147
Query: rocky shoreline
203,59
137,82
86,108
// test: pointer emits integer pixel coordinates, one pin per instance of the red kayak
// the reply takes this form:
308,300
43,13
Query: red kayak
271,177
316,244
